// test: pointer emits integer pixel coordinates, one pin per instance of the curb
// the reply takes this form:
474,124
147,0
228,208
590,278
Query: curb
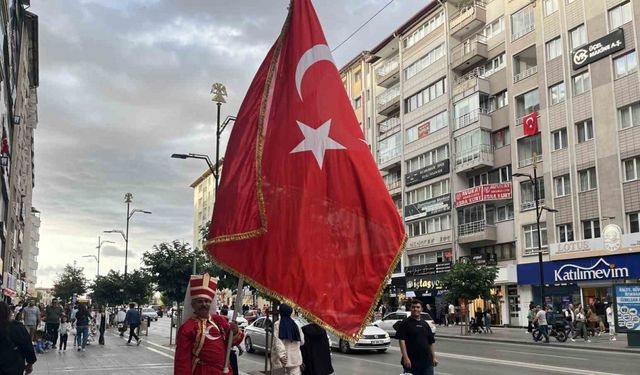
507,341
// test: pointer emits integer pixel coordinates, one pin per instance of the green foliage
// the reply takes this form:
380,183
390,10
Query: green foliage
115,289
71,281
468,281
225,279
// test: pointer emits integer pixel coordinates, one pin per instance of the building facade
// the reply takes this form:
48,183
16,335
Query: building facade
32,250
203,198
19,74
449,90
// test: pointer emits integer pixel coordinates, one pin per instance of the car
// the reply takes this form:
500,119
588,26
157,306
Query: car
148,312
242,322
373,338
251,315
387,322
255,333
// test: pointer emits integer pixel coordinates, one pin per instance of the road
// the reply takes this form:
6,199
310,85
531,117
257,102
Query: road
457,356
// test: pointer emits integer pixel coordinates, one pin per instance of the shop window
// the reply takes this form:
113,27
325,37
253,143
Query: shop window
591,229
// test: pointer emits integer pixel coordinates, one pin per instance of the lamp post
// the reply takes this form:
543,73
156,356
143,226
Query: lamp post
539,209
197,156
128,198
100,243
218,91
97,261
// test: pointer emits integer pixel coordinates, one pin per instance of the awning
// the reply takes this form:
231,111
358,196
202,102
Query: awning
9,292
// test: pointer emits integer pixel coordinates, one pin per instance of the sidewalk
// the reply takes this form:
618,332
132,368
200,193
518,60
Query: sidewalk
521,336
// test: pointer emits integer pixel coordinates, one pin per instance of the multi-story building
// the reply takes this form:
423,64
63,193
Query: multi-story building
203,198
19,74
449,90
31,250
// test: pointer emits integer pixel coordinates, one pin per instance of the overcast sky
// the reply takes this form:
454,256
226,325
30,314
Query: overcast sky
124,84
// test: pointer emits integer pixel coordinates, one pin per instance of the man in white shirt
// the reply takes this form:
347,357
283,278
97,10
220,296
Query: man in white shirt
611,322
570,317
541,318
120,319
452,313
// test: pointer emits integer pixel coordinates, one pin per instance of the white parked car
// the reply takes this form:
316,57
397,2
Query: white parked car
149,312
242,322
387,322
373,338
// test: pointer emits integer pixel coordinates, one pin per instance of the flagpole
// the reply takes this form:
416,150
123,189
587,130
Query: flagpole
239,296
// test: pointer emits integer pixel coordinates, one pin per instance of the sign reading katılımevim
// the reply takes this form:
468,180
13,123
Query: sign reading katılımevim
598,49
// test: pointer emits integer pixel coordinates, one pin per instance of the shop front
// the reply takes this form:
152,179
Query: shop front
423,283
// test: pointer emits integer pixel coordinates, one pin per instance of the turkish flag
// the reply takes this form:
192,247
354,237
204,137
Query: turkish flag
302,212
530,123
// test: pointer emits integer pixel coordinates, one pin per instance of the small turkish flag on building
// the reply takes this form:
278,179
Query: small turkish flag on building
530,123
302,212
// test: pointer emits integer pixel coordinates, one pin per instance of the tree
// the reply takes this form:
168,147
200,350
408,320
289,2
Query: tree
467,281
71,281
115,289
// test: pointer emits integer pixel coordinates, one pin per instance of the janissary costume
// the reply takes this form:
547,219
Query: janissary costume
202,343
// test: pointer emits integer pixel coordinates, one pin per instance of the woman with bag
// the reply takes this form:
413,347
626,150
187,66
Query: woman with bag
287,339
82,327
16,351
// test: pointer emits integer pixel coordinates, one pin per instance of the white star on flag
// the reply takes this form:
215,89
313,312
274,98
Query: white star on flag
317,141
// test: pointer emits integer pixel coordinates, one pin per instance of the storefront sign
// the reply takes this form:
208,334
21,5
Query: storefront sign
487,192
428,269
481,259
598,49
583,269
429,240
611,242
627,311
423,283
423,174
427,208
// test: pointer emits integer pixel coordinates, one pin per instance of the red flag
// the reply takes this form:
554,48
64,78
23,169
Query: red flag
530,123
302,212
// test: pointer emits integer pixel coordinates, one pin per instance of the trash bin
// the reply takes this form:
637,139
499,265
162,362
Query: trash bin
633,338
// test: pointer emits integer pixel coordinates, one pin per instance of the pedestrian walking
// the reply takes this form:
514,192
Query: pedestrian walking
287,339
592,320
541,320
31,318
316,353
487,321
120,317
82,327
480,320
65,327
417,343
452,313
570,317
102,324
16,350
612,326
581,326
53,313
531,315
132,319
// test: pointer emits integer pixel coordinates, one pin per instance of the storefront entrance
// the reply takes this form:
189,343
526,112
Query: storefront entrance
603,293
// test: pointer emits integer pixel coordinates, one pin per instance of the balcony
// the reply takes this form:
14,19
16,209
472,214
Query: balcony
468,19
388,74
388,155
525,74
394,187
479,156
529,161
469,83
477,232
469,52
473,117
389,100
388,126
531,205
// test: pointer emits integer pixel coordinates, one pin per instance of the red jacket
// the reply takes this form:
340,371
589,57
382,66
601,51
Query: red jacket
202,345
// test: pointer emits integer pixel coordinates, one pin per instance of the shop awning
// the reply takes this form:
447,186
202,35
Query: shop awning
9,292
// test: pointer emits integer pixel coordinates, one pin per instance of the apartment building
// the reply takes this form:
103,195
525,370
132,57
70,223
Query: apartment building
203,199
450,88
18,107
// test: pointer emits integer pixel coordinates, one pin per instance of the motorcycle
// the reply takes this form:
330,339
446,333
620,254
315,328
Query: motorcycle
557,330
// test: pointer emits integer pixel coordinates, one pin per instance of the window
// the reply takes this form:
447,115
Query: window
528,193
578,36
477,180
390,148
581,83
494,65
428,192
631,169
591,229
528,149
500,175
550,6
467,110
428,158
357,76
626,64
426,95
498,101
559,139
531,238
424,62
505,251
357,102
620,15
556,93
423,30
634,223
504,213
584,130
562,185
554,48
429,225
588,179
501,138
629,116
565,233
526,103
472,145
494,28
422,130
522,22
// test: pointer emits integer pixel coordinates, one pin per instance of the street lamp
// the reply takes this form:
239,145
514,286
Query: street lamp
198,156
539,209
97,261
100,243
128,198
